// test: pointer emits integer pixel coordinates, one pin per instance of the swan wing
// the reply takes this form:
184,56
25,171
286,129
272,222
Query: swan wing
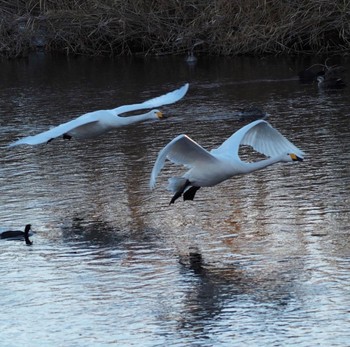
94,117
61,129
165,99
262,137
183,151
269,141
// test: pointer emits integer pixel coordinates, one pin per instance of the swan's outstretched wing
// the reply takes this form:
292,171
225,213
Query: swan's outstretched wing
269,141
165,99
93,117
88,118
262,137
181,150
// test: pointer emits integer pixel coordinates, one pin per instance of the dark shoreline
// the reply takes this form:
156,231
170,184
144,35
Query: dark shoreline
226,28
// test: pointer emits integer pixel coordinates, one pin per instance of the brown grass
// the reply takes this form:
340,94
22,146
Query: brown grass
225,27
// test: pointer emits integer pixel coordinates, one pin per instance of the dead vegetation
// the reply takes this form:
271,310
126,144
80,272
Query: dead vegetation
225,27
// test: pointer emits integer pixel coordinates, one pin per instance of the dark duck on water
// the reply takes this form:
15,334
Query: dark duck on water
17,235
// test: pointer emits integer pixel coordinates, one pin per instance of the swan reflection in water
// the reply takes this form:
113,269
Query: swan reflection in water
219,290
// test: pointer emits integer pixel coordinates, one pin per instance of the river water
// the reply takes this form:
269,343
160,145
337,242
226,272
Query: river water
259,260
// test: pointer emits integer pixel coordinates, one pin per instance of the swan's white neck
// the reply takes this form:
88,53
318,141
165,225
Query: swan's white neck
261,164
138,118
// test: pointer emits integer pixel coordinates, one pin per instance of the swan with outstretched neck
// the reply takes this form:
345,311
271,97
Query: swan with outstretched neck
17,235
96,123
207,169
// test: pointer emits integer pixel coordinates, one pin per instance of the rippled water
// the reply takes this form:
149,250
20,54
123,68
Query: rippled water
260,260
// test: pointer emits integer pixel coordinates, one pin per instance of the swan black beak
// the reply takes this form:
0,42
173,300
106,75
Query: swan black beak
295,157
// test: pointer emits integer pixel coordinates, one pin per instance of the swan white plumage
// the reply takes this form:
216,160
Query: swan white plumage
207,169
98,122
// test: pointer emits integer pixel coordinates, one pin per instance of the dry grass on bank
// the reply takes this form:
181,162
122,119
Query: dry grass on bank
226,27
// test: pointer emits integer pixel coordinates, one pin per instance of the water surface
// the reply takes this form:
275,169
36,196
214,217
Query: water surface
259,260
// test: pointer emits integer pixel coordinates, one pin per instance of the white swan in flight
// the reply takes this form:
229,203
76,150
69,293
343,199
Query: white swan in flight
98,122
207,169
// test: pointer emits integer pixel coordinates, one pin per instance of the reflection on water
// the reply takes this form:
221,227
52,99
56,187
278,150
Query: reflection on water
257,260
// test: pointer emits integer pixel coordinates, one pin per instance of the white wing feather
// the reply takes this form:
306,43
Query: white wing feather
183,151
56,131
262,137
269,141
165,99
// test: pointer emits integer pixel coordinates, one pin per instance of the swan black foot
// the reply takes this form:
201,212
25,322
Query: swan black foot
66,137
190,193
180,192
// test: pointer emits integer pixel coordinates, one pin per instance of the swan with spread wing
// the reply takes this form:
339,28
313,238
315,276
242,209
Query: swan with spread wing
207,169
98,122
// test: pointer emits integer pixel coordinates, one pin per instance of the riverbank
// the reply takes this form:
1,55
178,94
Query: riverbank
104,27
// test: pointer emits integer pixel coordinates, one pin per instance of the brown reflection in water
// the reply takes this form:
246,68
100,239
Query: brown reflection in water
216,289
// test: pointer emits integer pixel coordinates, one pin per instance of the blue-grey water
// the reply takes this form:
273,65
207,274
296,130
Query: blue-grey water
259,260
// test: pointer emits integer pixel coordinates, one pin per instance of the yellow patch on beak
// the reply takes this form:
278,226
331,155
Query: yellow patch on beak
295,157
159,115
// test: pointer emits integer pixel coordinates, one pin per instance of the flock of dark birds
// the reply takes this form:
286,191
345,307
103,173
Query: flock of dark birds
205,168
